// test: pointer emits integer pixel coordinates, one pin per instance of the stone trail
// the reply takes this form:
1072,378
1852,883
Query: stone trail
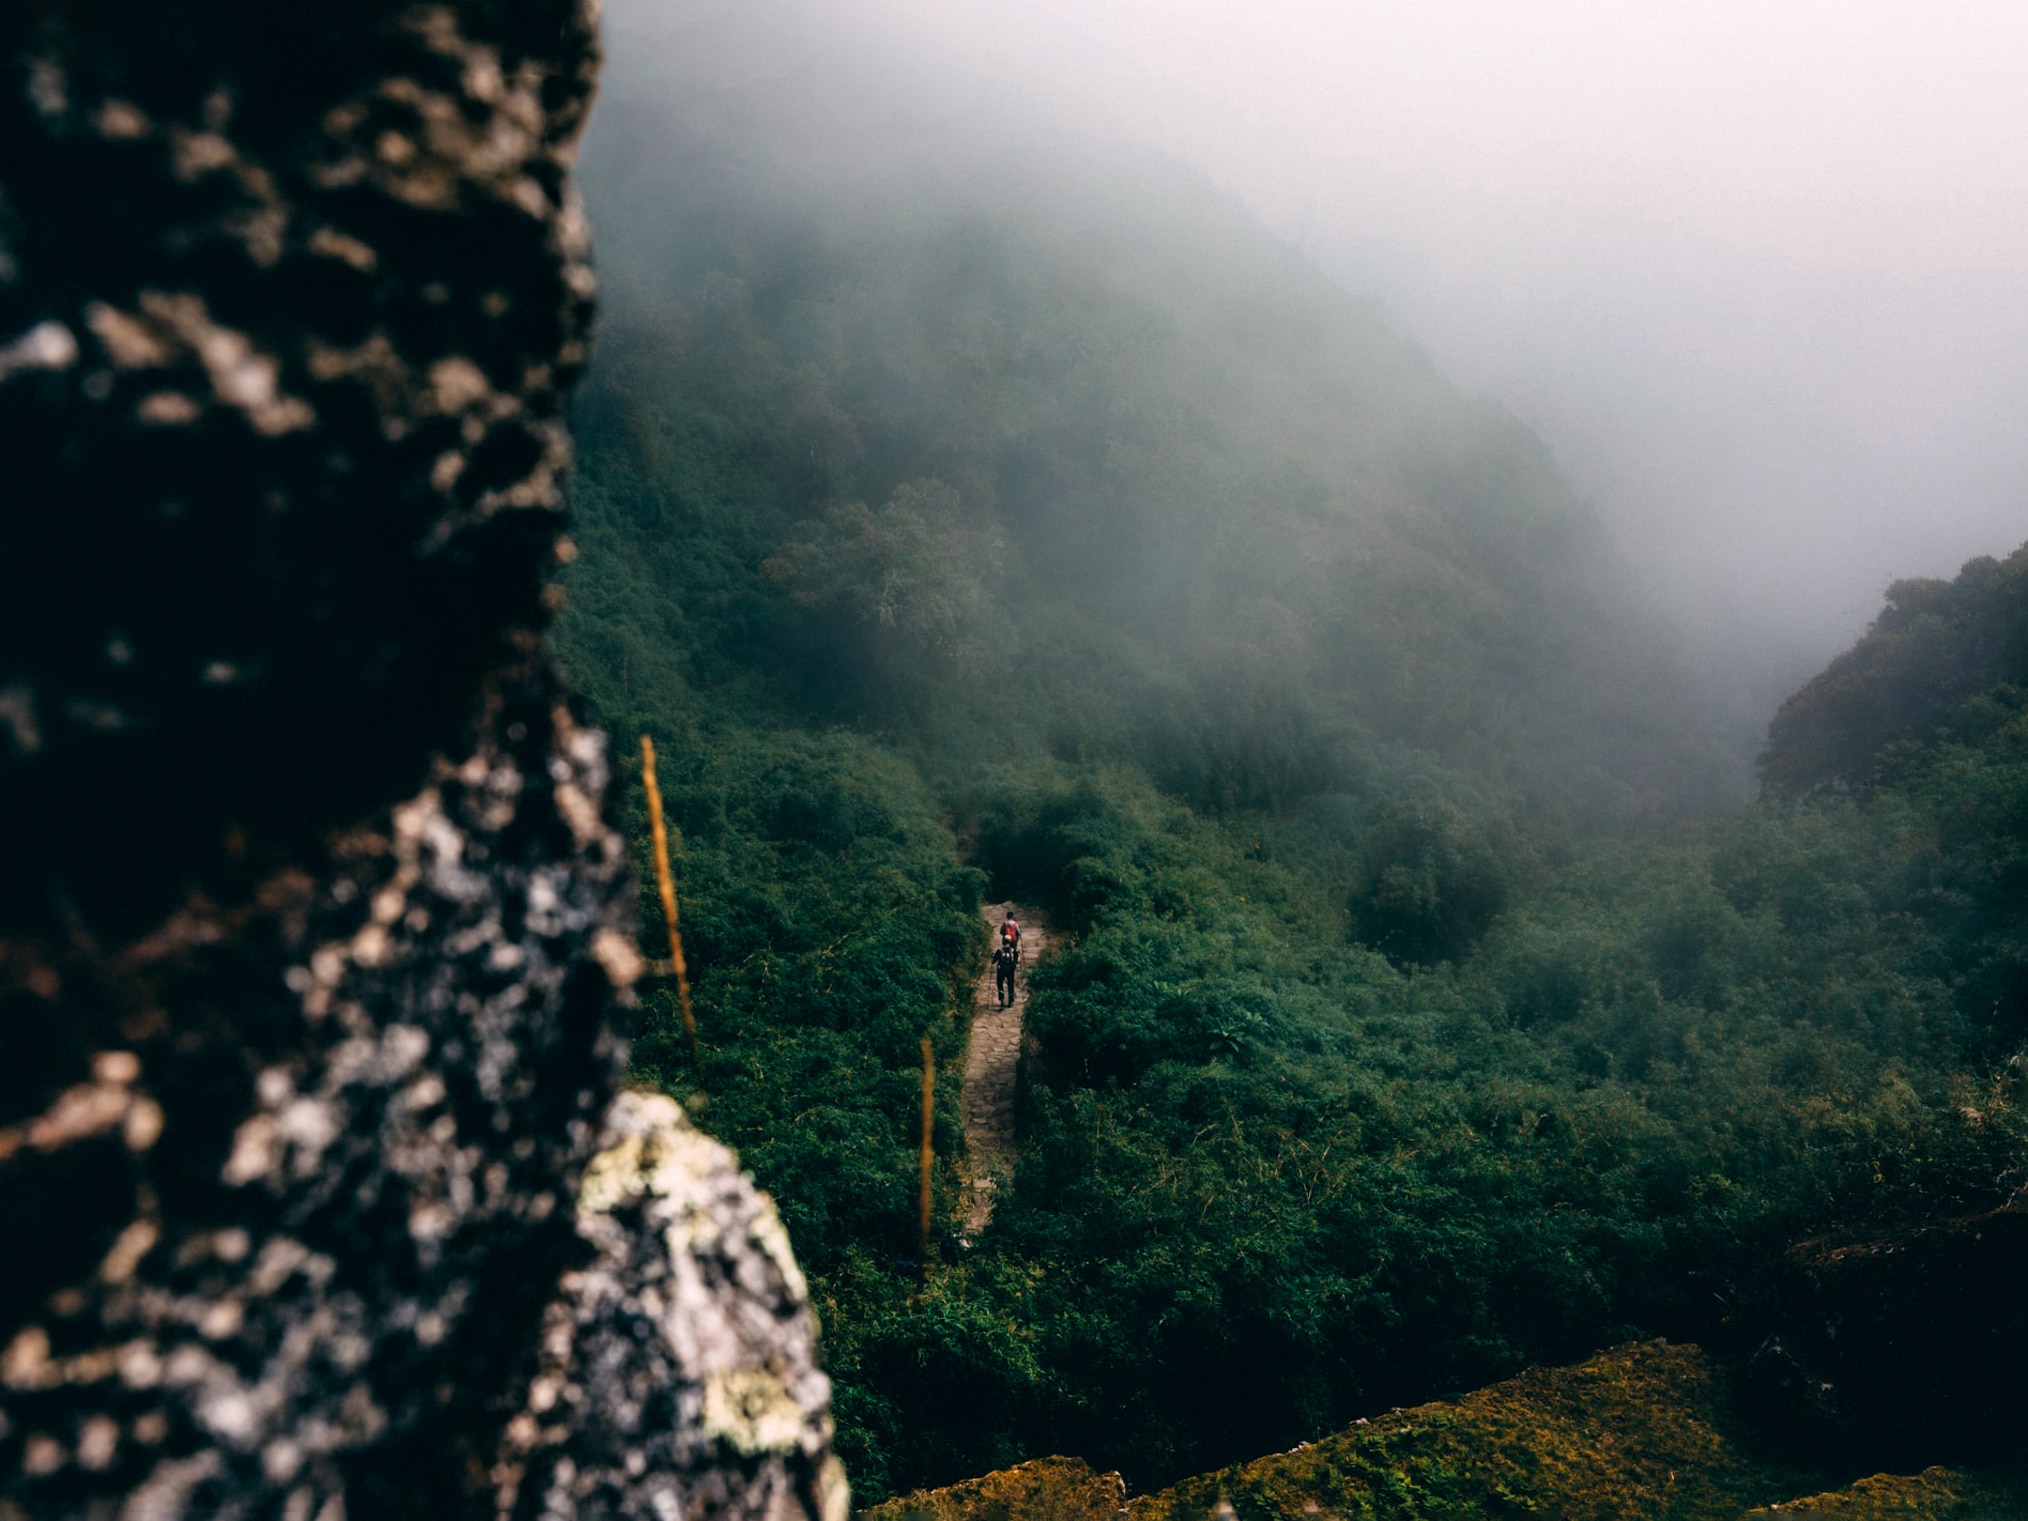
992,1060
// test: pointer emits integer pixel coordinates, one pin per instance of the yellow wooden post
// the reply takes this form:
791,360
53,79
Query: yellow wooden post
667,884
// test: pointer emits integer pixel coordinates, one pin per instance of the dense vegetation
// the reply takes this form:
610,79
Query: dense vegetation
1083,545
1936,647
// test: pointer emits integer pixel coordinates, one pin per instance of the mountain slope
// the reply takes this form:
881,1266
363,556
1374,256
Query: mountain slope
1078,454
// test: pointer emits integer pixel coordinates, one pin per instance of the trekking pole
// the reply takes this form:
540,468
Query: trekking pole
667,884
929,1110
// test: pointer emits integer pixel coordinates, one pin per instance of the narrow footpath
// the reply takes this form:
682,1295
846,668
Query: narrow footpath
992,1060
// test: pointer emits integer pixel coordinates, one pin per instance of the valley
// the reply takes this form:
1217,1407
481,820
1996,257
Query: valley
1438,992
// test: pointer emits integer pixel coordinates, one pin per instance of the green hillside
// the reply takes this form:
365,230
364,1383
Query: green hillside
1074,541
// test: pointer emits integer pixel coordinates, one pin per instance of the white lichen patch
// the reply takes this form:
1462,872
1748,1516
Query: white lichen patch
620,957
170,328
619,1422
107,1103
752,1412
46,346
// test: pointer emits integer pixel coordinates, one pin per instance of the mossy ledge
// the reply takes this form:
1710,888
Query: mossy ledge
1643,1430
1063,1489
1935,1494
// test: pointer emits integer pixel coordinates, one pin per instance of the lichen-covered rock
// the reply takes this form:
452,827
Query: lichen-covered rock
314,926
287,1228
290,301
678,1370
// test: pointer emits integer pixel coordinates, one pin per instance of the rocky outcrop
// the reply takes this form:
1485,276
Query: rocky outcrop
314,927
1908,1347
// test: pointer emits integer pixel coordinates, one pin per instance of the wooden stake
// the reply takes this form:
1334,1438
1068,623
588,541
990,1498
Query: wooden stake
929,1113
667,884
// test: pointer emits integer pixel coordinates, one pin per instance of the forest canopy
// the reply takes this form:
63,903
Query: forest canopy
1935,647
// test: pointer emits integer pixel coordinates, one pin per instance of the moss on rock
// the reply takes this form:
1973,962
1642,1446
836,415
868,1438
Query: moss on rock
1935,1494
1058,1489
1642,1431
1636,1431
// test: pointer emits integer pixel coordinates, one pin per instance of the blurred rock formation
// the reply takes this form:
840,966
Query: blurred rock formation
315,1193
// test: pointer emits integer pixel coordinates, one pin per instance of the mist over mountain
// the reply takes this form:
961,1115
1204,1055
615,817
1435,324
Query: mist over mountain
978,509
1756,276
1136,479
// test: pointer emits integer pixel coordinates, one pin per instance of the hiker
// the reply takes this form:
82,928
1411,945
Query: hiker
1005,959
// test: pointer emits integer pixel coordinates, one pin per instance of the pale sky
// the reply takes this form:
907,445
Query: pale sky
1757,272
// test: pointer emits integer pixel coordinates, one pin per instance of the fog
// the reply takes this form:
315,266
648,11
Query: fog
1757,274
